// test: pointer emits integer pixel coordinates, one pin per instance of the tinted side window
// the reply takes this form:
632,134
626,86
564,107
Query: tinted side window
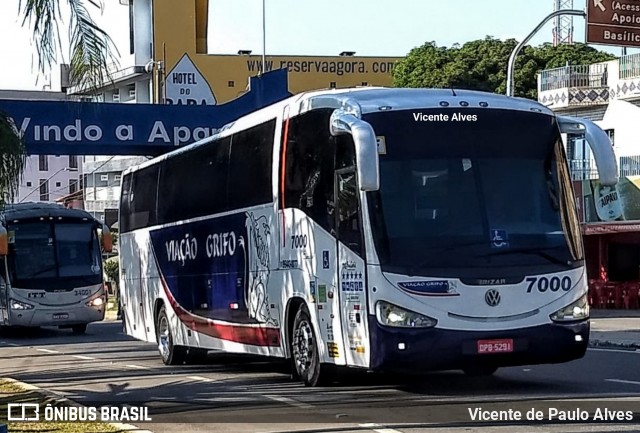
143,200
125,211
250,166
309,164
194,183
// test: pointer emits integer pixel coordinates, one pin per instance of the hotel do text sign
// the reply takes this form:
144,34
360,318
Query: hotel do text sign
613,22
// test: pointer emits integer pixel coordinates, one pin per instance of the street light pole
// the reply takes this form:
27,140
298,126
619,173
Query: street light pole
518,48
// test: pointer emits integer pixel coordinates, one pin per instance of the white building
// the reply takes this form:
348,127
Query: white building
607,93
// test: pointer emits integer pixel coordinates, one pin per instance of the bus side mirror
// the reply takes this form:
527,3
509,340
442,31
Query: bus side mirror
107,239
598,142
364,139
4,242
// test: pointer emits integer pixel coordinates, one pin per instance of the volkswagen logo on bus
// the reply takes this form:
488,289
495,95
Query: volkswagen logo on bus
492,297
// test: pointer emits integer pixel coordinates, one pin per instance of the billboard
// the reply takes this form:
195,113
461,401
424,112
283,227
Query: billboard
180,40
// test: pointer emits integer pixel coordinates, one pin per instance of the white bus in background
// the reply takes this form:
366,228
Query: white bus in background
380,229
51,267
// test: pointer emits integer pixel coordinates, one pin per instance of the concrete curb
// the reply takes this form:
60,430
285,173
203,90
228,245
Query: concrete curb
61,399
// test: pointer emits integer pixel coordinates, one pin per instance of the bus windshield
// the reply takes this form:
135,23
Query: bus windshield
54,255
487,196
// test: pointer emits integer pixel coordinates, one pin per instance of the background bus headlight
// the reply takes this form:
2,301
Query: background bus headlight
17,305
392,315
96,302
577,310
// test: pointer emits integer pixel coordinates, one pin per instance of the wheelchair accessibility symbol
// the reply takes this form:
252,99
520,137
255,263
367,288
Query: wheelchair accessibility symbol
499,238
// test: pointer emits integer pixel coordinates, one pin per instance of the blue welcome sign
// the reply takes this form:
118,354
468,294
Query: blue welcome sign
88,128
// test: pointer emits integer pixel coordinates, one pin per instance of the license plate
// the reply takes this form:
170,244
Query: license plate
495,346
60,315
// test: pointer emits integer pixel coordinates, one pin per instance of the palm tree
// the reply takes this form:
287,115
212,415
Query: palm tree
13,159
91,50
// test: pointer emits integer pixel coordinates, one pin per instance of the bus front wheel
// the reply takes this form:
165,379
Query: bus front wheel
304,351
170,354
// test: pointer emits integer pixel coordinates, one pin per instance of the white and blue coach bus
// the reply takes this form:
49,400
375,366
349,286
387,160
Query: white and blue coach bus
51,266
372,228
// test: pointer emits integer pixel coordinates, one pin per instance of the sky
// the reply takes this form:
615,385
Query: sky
310,27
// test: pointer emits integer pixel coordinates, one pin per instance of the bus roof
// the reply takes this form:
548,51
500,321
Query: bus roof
365,100
32,210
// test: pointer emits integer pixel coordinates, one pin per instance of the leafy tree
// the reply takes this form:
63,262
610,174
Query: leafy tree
576,54
482,65
112,269
91,50
12,161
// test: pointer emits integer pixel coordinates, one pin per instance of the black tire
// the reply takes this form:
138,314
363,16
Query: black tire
170,354
304,351
79,329
480,370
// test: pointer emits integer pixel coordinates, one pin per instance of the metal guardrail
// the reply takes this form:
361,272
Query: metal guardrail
574,76
630,66
585,169
582,169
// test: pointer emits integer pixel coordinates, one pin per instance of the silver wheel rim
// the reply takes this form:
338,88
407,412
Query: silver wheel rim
163,337
303,347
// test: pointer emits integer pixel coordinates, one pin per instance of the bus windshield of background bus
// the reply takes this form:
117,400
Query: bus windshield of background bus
485,194
54,255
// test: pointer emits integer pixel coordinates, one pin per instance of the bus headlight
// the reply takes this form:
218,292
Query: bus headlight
17,305
96,302
392,315
578,310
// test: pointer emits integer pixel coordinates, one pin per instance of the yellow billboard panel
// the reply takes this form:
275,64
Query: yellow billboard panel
196,77
228,75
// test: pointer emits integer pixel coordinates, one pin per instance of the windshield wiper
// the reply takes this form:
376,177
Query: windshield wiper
536,251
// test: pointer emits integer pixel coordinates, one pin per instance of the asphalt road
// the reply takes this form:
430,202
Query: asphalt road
232,393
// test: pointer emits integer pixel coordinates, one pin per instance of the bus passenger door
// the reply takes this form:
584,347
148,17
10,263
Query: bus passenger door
351,269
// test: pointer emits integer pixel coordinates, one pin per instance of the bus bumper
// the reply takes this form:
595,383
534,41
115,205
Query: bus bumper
416,350
55,316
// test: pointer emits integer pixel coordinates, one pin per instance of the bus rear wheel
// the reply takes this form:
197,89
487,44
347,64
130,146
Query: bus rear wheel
304,351
170,353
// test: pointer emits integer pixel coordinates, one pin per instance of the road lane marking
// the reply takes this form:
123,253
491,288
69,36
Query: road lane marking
200,378
630,382
139,367
381,429
47,351
289,401
87,358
